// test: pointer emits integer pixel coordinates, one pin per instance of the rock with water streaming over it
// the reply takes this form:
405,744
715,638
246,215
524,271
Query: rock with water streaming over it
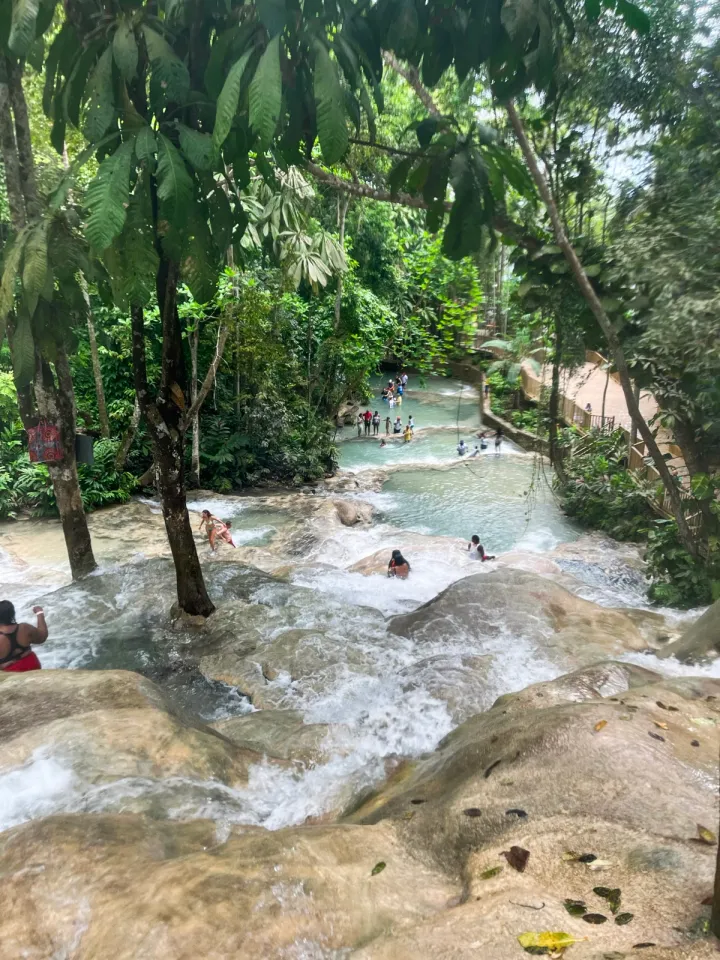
567,628
129,888
282,734
700,640
101,730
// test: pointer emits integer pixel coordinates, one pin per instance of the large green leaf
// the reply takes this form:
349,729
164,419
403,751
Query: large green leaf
74,89
125,49
100,108
132,260
175,192
23,352
145,144
22,25
367,106
227,102
197,147
329,109
200,264
107,197
35,264
170,80
266,93
633,16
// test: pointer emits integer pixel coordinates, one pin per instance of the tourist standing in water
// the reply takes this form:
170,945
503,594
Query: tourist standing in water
407,435
477,551
499,436
216,530
397,426
376,423
16,640
398,566
462,448
388,421
411,423
368,422
360,423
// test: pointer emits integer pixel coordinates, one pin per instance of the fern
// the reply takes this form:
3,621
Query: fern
100,108
170,81
132,260
23,352
35,264
227,101
125,50
332,130
266,93
22,26
197,147
107,197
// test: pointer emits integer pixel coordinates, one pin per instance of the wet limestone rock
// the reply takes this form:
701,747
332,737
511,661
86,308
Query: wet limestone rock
105,726
701,639
593,682
130,888
352,512
282,734
567,628
625,780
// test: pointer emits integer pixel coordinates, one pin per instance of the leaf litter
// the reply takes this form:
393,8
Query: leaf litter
547,942
517,857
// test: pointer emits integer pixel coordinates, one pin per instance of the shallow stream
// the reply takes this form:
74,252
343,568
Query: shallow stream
382,695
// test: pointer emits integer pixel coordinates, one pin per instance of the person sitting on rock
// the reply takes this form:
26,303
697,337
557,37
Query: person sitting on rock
477,551
16,640
398,566
216,530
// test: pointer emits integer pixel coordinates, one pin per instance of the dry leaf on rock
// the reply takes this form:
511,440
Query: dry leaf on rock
546,942
705,835
600,724
378,868
517,857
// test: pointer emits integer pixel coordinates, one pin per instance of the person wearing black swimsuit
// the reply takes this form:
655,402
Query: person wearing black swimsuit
16,639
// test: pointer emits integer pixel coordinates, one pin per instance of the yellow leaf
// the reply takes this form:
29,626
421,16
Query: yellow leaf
659,723
553,942
600,724
707,836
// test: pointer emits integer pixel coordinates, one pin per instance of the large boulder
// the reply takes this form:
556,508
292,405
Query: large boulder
700,640
128,888
101,732
622,782
567,629
352,512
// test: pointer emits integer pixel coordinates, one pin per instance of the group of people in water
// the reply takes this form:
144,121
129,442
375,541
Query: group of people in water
463,448
399,566
368,423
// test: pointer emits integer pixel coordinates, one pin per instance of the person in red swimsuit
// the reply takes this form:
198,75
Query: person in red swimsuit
16,639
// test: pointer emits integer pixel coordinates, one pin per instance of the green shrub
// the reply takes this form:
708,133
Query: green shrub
678,579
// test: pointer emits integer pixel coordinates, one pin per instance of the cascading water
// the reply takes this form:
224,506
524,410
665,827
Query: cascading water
323,625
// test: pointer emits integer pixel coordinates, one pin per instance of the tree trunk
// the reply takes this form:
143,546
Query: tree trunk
8,146
58,406
605,324
481,412
633,426
715,916
127,440
168,447
500,316
33,205
95,356
604,399
195,457
554,406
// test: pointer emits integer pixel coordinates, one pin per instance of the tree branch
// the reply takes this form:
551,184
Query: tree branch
209,377
410,74
396,151
514,232
605,324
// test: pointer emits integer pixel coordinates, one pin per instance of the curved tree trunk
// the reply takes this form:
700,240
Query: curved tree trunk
605,324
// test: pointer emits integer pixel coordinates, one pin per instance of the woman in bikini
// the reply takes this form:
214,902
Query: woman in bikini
398,566
16,639
215,529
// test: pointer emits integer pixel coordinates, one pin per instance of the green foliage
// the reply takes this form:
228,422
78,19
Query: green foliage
332,129
266,93
107,197
602,493
679,580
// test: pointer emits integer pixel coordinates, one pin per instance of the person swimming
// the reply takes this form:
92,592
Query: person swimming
398,566
383,443
16,640
476,549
